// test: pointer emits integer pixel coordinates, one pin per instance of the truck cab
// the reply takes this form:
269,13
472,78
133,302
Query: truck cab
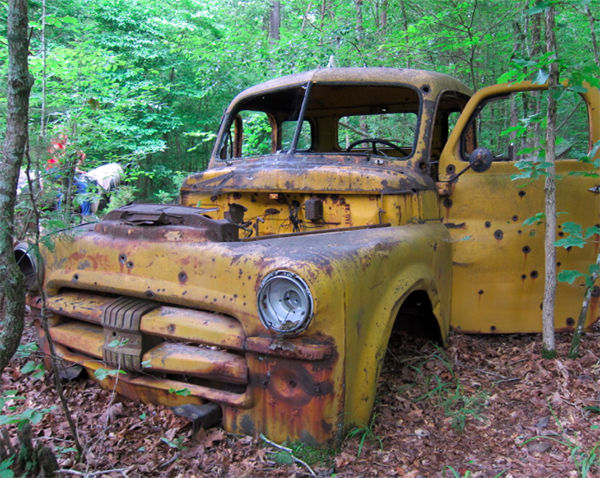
339,205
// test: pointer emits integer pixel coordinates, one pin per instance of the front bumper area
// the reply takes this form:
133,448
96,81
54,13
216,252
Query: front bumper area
283,388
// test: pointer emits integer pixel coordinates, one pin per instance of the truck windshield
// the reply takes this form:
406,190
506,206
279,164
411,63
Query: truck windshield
339,118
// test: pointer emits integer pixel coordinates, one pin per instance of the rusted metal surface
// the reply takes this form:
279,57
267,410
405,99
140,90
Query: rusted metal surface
363,233
124,344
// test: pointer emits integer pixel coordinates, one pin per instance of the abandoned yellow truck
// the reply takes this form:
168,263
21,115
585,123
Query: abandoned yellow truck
339,205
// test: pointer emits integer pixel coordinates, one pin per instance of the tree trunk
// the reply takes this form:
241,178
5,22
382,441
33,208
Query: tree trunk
358,4
12,286
576,340
549,345
405,26
593,34
275,23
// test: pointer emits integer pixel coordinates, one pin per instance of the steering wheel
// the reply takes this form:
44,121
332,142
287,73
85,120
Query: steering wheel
374,142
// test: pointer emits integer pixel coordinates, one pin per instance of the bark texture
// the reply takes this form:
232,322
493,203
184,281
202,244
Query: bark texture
19,86
548,338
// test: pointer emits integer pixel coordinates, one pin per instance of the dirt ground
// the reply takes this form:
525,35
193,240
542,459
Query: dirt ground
485,406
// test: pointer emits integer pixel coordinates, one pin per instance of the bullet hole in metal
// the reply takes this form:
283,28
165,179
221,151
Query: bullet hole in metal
171,328
150,294
493,328
122,258
448,203
519,232
596,291
498,234
182,277
75,277
450,169
570,322
534,274
524,276
425,89
515,218
568,248
129,265
237,195
561,234
526,249
292,384
558,264
522,193
488,224
480,292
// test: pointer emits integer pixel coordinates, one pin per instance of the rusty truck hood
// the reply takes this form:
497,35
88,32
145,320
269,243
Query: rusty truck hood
315,173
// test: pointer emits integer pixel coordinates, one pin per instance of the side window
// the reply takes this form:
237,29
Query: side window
288,129
449,109
513,127
250,134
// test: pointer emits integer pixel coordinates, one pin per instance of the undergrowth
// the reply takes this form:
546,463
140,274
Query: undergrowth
445,390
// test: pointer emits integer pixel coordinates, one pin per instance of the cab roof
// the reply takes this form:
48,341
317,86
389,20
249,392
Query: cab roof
426,81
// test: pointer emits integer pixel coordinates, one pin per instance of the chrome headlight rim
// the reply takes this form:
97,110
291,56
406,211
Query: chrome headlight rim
28,260
284,295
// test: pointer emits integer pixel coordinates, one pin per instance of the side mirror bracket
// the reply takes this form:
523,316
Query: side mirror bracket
479,161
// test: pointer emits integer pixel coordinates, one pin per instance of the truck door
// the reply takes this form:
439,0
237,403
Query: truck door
498,262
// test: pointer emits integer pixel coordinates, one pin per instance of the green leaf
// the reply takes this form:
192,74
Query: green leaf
570,241
184,392
537,219
103,373
28,367
569,276
572,228
591,231
169,442
539,7
69,20
5,471
578,89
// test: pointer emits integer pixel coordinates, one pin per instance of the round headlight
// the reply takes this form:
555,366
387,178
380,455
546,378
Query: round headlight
285,303
28,262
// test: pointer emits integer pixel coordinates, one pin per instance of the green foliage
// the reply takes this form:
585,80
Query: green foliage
176,444
313,455
184,392
583,459
103,373
5,471
36,370
144,83
446,391
30,415
466,474
364,433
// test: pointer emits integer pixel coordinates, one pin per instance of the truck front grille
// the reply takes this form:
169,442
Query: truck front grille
196,349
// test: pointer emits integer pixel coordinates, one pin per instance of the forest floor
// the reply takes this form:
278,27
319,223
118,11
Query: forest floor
485,406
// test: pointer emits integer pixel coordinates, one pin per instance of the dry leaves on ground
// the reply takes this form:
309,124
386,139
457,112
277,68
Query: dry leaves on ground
485,406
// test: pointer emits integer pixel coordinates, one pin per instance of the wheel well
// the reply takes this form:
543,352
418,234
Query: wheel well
416,317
